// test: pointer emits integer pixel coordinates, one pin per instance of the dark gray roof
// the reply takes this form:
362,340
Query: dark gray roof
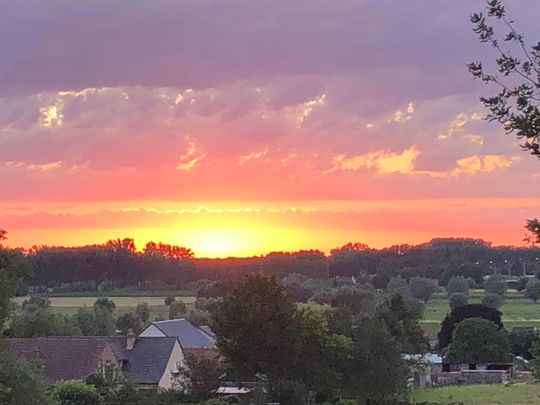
190,336
63,358
77,357
147,361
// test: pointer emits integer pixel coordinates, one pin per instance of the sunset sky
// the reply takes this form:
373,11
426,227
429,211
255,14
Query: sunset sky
241,127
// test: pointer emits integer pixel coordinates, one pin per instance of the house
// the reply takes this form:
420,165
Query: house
430,370
65,358
149,362
424,368
190,336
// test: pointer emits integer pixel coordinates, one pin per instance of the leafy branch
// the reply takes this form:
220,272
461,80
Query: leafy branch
516,105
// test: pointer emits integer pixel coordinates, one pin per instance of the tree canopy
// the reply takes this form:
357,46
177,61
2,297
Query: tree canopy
478,340
457,315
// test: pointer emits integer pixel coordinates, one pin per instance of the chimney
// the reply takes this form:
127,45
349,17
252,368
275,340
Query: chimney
130,340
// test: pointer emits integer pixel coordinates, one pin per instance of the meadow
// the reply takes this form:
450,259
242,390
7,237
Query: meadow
511,394
69,304
517,310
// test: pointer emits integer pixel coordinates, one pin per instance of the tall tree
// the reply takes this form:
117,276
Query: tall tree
402,321
253,326
376,372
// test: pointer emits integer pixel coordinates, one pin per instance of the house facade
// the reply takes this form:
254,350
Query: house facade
154,359
146,361
429,370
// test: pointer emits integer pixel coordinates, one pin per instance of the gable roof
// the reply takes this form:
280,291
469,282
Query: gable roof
190,337
148,359
63,358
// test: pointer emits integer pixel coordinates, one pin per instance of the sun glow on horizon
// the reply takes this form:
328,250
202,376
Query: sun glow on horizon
240,229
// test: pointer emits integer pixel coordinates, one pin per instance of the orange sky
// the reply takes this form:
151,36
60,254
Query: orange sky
239,129
243,228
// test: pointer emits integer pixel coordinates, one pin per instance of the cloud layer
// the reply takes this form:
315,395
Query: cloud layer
200,100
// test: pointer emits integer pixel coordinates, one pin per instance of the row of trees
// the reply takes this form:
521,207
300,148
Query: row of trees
118,264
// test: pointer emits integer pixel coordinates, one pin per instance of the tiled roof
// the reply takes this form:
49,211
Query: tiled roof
190,336
63,357
66,358
148,360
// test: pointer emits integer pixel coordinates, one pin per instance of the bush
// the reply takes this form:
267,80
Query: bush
76,393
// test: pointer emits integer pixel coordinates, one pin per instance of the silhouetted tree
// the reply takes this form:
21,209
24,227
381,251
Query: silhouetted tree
451,320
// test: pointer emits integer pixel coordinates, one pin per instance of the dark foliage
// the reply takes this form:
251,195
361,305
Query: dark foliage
451,320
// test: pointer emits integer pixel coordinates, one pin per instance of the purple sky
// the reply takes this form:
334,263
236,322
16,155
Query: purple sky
281,101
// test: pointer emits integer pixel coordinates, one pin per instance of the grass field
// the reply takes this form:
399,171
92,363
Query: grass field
517,310
70,305
126,292
515,394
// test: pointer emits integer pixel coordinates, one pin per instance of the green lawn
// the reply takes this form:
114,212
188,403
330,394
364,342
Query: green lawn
517,311
515,394
70,305
125,292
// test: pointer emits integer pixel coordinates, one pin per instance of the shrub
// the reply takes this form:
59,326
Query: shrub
76,393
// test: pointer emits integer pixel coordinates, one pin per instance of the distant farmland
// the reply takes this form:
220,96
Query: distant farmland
70,304
517,310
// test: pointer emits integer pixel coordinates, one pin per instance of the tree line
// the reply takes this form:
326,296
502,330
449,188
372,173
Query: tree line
159,266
